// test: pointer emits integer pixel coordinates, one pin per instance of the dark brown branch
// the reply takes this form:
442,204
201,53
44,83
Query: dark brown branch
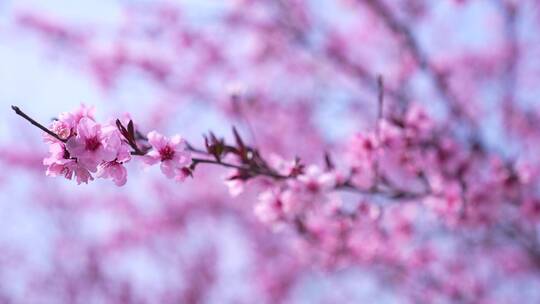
380,101
19,112
253,171
389,193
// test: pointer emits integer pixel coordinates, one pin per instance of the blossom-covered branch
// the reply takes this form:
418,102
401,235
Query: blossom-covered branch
82,148
432,190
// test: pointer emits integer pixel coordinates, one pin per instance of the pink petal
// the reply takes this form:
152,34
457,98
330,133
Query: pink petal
178,142
158,141
151,158
168,168
87,128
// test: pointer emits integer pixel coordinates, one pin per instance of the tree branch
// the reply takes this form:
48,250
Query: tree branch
19,112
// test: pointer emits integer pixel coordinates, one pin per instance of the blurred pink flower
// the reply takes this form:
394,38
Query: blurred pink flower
314,180
236,187
269,208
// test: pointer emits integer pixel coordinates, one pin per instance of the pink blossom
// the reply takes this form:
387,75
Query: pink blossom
418,122
269,207
236,179
73,118
90,145
363,148
234,183
369,211
383,206
390,135
182,174
314,180
236,187
171,153
309,188
59,163
447,202
66,124
284,167
60,128
115,169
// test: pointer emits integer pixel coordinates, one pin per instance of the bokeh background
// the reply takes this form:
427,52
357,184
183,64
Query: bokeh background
174,67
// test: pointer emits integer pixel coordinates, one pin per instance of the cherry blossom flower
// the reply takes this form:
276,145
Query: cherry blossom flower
285,167
234,183
73,118
236,187
418,123
115,169
269,207
413,199
314,180
59,163
170,153
90,145
363,148
448,203
66,124
60,128
294,202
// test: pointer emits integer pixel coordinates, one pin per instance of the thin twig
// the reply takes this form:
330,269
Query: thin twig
19,112
390,193
380,101
254,171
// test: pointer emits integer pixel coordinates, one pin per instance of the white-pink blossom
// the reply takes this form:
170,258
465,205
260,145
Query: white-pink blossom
59,163
172,155
115,169
90,145
314,180
269,207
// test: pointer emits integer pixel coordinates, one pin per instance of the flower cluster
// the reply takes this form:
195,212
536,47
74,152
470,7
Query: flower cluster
294,198
82,148
403,160
440,202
